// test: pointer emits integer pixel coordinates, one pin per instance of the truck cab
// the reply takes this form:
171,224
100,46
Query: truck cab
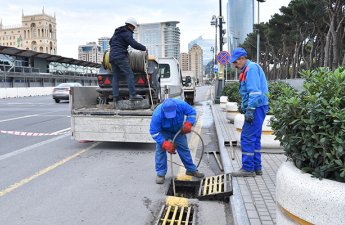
171,77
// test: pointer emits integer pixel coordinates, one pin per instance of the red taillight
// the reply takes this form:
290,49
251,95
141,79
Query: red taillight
140,81
107,81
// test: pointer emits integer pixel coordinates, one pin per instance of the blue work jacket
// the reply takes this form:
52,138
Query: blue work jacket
253,86
162,128
119,42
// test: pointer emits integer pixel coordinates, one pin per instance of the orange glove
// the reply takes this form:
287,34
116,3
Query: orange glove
187,127
169,147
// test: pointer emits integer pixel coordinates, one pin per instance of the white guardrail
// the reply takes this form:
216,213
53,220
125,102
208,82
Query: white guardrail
25,92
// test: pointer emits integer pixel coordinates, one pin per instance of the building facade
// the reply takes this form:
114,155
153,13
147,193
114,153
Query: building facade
196,62
206,46
161,39
103,42
37,32
184,61
240,16
90,52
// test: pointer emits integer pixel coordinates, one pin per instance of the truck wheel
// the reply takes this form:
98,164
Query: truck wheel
57,100
191,101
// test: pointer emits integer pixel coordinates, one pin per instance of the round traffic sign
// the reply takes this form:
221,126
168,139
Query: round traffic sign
223,57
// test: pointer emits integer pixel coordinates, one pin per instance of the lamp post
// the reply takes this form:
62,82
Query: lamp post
219,83
258,33
214,22
213,63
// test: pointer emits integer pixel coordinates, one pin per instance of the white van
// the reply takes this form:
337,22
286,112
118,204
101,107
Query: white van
171,76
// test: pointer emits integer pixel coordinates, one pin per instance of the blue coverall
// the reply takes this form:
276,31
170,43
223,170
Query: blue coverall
254,92
162,129
119,42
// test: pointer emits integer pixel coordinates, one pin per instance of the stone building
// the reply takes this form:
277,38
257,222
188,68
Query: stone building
37,32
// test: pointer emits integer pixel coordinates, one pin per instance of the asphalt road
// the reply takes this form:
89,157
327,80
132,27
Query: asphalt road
46,178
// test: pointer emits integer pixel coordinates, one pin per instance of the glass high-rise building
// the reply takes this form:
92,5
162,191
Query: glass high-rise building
104,43
162,39
205,45
240,16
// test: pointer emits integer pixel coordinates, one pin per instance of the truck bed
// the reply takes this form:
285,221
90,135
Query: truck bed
101,122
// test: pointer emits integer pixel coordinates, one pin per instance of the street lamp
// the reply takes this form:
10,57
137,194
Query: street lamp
258,32
214,22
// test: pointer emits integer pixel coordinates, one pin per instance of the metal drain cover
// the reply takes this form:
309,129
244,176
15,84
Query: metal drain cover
177,211
216,188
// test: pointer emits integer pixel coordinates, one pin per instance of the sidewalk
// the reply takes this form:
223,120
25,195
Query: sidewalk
254,200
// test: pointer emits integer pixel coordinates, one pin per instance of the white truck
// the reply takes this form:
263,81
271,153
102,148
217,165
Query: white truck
94,117
189,86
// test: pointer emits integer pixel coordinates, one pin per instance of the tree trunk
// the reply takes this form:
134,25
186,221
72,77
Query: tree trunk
327,49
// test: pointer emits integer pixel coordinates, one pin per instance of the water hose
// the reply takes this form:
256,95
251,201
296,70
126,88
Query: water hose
171,161
202,143
137,61
148,82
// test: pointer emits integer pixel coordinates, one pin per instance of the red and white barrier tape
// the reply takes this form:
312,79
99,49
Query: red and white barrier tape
23,133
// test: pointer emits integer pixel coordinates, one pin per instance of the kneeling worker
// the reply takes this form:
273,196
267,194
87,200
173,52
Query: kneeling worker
167,120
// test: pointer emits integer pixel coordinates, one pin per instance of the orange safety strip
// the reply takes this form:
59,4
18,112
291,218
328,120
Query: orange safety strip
293,217
243,74
263,132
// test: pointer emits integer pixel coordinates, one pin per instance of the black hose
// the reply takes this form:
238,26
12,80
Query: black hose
202,143
137,60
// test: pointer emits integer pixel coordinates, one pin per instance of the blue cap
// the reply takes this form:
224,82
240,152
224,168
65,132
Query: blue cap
169,108
237,53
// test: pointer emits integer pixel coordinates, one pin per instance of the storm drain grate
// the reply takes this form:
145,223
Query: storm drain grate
215,188
174,215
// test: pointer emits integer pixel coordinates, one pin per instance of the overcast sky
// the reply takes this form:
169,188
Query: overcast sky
79,22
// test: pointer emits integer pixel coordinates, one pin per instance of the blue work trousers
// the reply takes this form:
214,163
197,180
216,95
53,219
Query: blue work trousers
182,150
121,67
251,140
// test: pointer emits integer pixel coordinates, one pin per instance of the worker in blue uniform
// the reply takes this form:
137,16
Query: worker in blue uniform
254,105
119,42
167,119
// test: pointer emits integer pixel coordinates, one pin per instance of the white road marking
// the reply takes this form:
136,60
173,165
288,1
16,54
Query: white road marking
31,147
17,118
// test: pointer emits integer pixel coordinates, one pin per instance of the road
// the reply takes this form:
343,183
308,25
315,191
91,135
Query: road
48,178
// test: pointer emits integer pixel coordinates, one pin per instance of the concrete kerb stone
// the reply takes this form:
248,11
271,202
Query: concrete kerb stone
236,202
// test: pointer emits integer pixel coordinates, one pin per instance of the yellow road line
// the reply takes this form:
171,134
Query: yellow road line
42,172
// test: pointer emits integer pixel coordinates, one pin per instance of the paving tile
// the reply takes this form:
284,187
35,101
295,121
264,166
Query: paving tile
267,223
263,213
255,222
262,218
252,214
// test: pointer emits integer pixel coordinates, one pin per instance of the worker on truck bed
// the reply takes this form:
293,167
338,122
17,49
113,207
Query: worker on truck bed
119,42
167,120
